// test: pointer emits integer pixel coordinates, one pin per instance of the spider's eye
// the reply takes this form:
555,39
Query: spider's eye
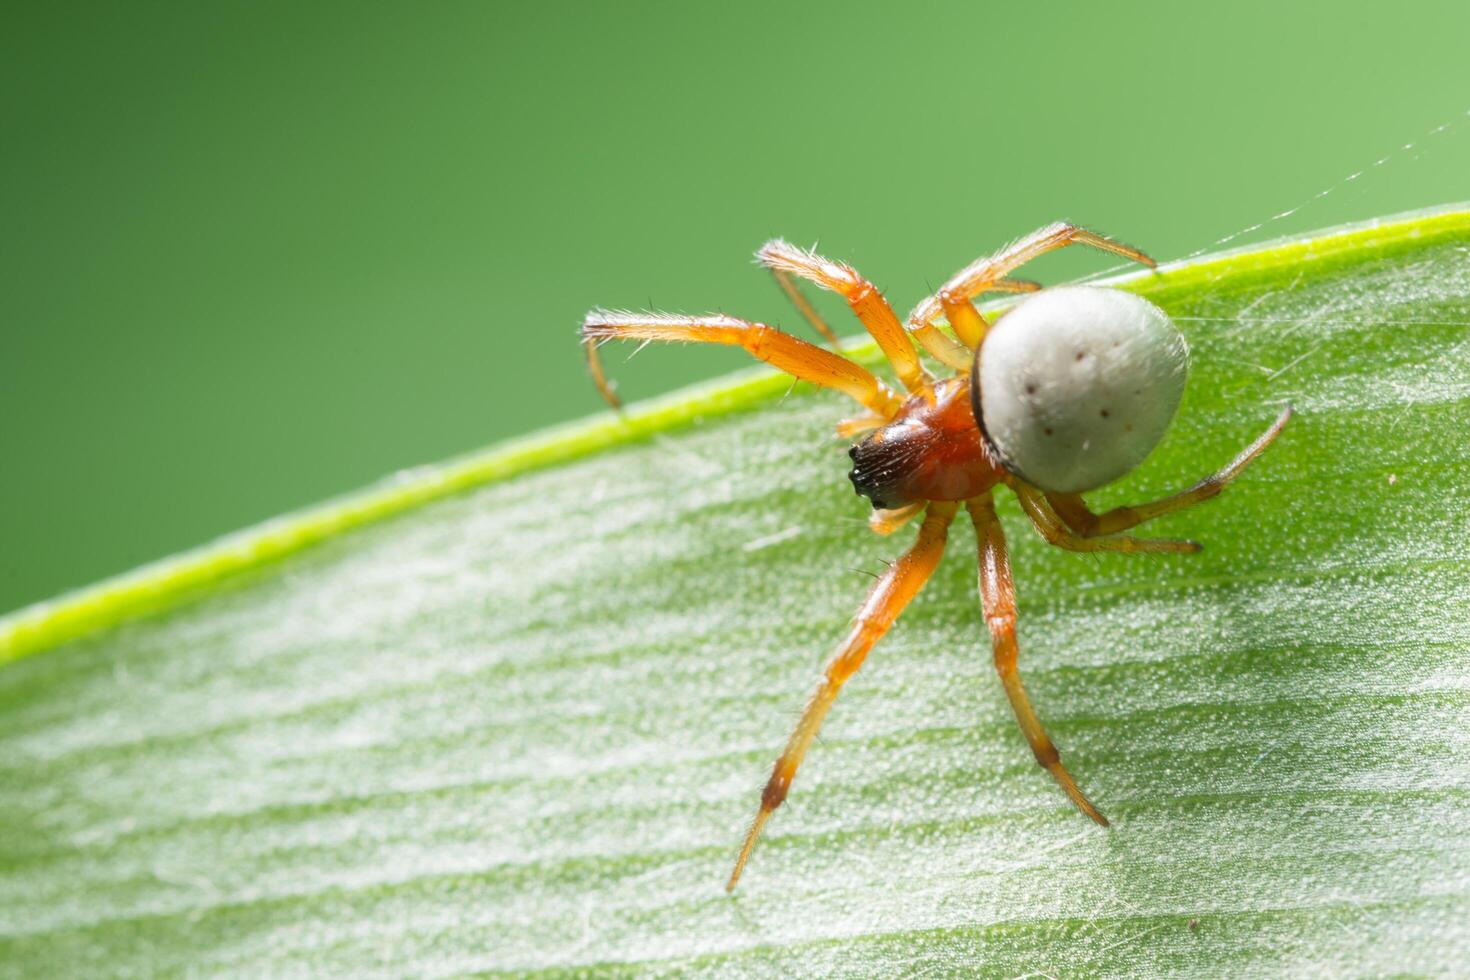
1076,385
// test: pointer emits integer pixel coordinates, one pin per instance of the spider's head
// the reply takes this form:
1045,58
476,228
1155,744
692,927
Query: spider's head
883,463
1076,385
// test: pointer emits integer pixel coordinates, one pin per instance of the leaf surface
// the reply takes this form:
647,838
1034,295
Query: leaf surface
521,727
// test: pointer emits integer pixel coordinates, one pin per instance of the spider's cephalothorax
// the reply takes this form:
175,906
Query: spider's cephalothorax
931,451
1069,391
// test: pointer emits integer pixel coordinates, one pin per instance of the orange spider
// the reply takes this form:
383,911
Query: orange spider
1069,391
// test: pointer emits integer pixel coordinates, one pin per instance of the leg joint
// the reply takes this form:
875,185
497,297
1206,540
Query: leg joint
1001,621
757,339
1209,487
1046,754
1084,523
859,292
775,792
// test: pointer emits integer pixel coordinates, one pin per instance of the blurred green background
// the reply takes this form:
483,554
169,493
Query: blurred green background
254,255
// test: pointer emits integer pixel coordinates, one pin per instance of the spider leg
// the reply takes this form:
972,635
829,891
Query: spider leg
885,522
968,322
858,424
600,379
1074,511
942,347
796,357
1058,533
998,597
988,274
899,584
869,305
804,306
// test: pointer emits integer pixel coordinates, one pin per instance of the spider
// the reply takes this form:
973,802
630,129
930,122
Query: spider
1068,391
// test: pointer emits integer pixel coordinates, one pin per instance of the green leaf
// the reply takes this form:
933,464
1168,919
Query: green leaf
522,726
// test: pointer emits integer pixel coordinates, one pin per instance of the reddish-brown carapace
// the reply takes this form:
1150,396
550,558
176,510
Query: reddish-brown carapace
929,451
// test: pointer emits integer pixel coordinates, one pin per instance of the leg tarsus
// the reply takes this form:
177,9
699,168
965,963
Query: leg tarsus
605,386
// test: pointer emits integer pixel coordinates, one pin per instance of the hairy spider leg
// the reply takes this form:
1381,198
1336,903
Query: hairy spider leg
864,298
1059,534
1072,509
796,357
804,306
899,584
968,323
987,274
998,598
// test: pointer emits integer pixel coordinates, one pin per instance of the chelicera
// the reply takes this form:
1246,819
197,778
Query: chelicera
1069,390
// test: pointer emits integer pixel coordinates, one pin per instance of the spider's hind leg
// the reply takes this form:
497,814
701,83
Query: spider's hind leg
1060,533
797,358
1072,509
998,597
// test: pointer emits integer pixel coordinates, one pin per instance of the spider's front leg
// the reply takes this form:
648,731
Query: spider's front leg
785,259
796,357
890,595
1072,509
998,597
